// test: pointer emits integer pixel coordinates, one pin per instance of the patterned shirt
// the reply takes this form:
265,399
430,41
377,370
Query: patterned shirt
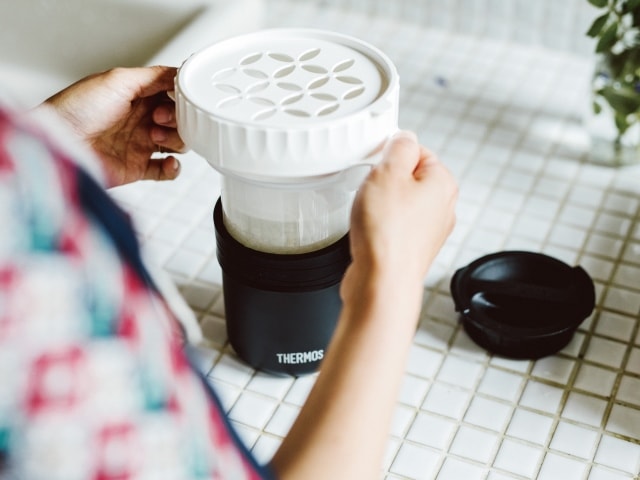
94,382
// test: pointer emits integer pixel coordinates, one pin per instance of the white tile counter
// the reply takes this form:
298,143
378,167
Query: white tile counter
506,120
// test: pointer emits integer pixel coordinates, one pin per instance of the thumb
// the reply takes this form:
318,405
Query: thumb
401,153
427,160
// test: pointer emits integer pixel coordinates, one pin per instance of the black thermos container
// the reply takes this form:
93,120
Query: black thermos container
281,309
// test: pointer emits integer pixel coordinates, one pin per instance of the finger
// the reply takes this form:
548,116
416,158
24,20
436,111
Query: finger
165,114
167,138
428,155
402,153
148,81
432,173
166,168
427,160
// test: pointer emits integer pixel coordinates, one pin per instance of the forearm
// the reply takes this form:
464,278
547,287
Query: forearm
342,430
401,216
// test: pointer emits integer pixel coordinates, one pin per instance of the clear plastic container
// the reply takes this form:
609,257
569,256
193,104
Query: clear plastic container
290,218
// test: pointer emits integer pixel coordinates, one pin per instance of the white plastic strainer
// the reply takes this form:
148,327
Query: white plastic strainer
287,103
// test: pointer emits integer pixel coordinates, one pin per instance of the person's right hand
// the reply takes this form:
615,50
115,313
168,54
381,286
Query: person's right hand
402,215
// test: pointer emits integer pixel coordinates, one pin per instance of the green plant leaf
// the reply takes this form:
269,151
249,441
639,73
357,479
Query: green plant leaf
596,108
599,3
635,16
633,4
617,64
621,123
624,100
597,25
608,38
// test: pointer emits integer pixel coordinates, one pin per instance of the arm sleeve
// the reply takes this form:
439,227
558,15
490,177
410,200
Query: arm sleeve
94,382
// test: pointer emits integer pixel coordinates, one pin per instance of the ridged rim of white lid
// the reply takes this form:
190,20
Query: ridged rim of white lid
287,79
316,103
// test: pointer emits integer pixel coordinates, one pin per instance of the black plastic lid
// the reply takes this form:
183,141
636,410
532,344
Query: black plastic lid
522,304
280,272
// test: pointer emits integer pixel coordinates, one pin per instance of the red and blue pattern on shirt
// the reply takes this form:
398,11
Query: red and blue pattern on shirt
94,383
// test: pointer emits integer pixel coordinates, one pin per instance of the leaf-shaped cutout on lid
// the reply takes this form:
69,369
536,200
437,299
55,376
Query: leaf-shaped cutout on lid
351,80
324,96
252,72
356,92
315,69
258,87
319,82
293,99
264,114
262,101
344,65
223,74
309,54
328,110
281,57
289,86
297,113
229,102
225,87
249,59
283,72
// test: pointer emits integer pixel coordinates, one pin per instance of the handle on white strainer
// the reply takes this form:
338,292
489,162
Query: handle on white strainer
354,175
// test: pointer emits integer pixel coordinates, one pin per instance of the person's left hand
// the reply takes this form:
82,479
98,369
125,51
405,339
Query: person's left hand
125,115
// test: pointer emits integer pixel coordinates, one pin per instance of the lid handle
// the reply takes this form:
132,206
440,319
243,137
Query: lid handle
578,290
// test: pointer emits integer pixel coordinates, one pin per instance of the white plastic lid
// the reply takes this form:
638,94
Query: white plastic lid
287,103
